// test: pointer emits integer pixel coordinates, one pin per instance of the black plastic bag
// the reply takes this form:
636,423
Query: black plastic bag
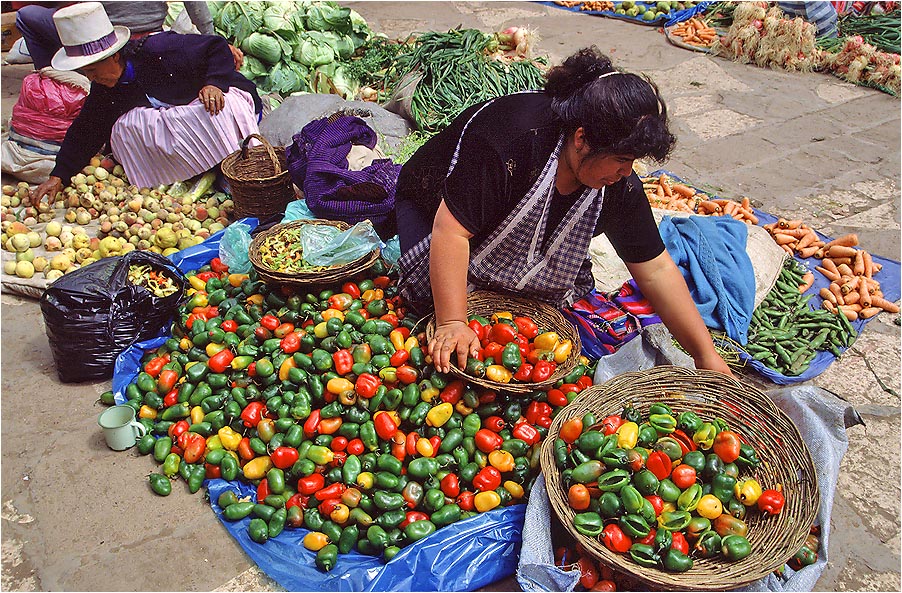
95,312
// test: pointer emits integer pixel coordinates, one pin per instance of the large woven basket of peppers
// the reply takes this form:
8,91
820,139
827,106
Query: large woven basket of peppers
684,479
277,256
526,345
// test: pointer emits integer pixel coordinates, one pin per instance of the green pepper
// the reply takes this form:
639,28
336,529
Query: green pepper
646,482
647,435
610,505
160,484
704,436
634,525
722,487
228,467
146,444
688,500
258,530
171,464
735,547
676,561
663,540
237,511
447,514
176,411
511,358
713,467
196,478
674,520
613,481
618,458
660,408
695,460
589,523
644,555
748,458
689,422
708,544
417,530
632,499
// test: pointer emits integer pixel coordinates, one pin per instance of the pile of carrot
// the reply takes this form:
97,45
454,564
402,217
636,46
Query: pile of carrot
662,192
695,32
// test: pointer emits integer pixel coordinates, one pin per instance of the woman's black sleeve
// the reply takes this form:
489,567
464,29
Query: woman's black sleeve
88,133
476,191
627,221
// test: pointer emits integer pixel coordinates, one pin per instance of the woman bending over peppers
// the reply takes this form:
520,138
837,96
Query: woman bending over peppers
508,197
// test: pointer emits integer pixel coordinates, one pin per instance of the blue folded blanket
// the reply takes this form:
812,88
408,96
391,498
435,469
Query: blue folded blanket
710,251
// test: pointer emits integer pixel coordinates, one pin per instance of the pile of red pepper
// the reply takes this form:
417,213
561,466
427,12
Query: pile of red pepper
644,487
327,404
514,349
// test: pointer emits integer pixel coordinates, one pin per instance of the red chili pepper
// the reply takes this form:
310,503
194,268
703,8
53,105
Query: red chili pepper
685,441
487,397
659,464
177,429
478,329
212,472
366,385
284,457
343,360
488,478
542,370
585,382
166,380
340,301
648,540
436,442
522,343
493,350
339,444
290,343
465,501
218,266
221,361
399,358
411,517
771,502
679,542
270,322
657,503
536,410
263,490
310,484
252,413
526,432
615,539
570,388
543,421
524,373
527,327
381,281
487,441
171,398
327,506
453,391
294,501
154,366
391,318
450,485
385,426
245,453
494,423
206,276
557,398
333,490
407,374
502,333
352,289
311,425
611,423
229,325
338,459
355,447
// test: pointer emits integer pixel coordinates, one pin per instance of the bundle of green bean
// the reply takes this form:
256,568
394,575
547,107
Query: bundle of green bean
457,71
785,334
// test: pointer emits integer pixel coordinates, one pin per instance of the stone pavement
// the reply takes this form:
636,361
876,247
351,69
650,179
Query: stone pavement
77,516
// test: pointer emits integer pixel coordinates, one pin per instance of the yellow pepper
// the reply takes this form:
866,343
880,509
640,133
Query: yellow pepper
501,460
411,343
316,541
330,313
197,414
463,409
373,294
424,447
256,468
430,393
320,331
546,341
229,438
584,360
709,507
255,299
340,514
562,351
498,373
669,506
366,480
235,280
196,283
286,366
439,414
337,385
486,501
213,348
397,339
514,488
627,435
501,315
747,491
147,412
185,344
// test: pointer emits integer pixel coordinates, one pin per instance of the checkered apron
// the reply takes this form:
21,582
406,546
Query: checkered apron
511,259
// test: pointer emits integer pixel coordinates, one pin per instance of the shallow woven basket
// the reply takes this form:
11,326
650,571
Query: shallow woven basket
482,302
784,460
314,277
258,179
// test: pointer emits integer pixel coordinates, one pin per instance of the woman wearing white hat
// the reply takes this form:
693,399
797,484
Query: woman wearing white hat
171,106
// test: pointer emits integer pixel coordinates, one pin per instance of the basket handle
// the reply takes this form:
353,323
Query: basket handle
269,150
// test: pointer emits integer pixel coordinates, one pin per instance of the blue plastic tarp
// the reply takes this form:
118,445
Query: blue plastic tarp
672,18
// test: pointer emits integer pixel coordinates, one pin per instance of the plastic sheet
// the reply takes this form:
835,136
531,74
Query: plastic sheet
95,312
234,246
325,245
459,557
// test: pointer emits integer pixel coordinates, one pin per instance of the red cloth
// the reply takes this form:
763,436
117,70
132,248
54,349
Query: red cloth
46,108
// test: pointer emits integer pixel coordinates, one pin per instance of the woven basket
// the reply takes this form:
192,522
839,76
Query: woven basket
784,460
312,278
258,179
485,303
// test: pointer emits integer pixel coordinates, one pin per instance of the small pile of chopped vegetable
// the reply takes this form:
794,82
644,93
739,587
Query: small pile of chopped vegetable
160,284
282,252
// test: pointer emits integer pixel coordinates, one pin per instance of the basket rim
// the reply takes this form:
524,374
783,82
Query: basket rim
664,384
331,273
561,325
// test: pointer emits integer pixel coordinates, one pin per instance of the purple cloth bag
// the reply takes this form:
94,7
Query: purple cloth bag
317,163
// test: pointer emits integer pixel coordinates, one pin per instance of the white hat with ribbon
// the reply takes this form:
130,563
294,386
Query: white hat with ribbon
87,35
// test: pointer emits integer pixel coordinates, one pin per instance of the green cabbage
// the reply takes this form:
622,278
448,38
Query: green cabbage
238,20
252,67
332,79
360,31
328,16
283,16
342,45
286,78
313,51
263,46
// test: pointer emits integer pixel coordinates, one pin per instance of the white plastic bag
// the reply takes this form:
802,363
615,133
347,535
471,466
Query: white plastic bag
325,245
234,248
